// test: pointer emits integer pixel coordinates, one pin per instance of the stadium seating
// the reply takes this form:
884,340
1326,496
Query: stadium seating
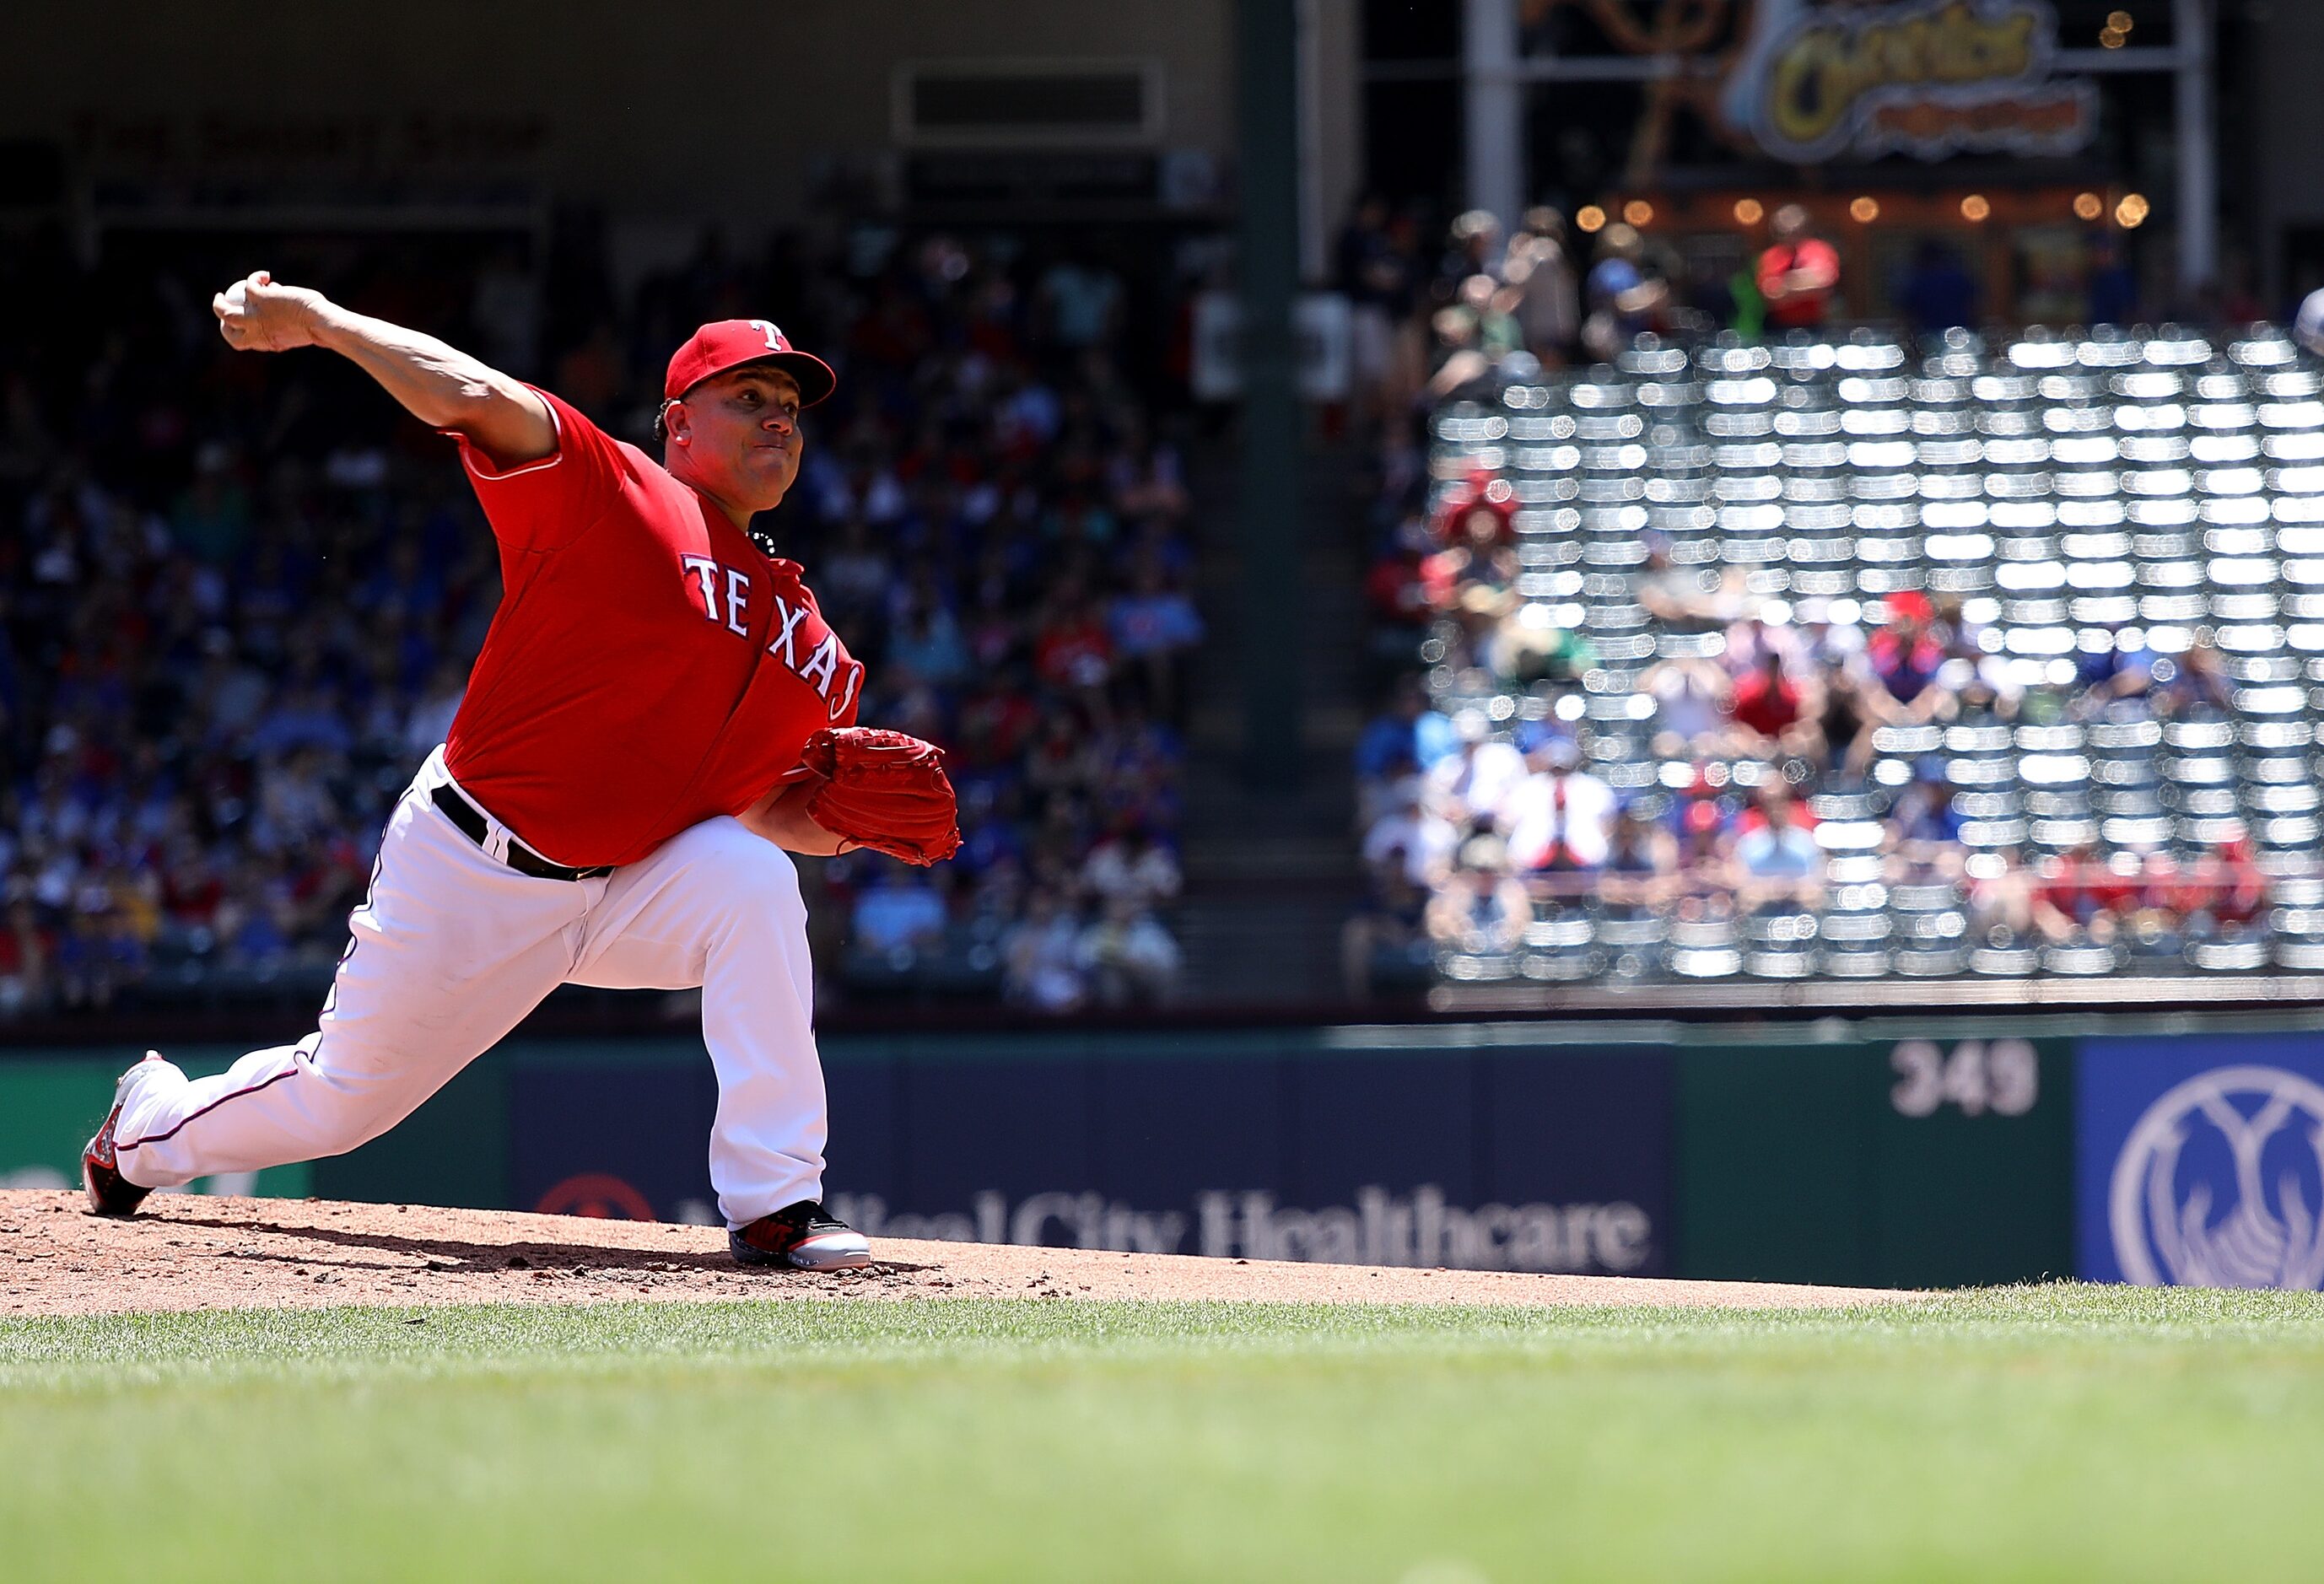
238,600
2118,541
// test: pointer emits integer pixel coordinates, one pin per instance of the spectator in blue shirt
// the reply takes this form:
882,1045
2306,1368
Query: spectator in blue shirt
1777,864
1623,297
900,907
307,717
927,645
1939,293
1152,625
1926,826
2113,288
2120,670
1406,729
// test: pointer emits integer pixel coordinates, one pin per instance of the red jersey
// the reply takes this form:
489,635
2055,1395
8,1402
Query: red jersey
1802,309
1766,709
2081,887
650,667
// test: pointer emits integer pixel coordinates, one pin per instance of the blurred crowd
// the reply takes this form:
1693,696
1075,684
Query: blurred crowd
1476,825
1430,321
1469,833
239,595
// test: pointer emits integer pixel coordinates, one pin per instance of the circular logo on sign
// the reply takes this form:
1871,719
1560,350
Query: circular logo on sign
600,1196
2221,1184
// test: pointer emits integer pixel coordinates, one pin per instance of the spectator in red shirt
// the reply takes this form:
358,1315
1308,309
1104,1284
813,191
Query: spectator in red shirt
996,720
1074,650
1394,587
2224,882
1480,516
1478,549
1798,274
1780,717
26,949
1904,657
1702,846
2080,890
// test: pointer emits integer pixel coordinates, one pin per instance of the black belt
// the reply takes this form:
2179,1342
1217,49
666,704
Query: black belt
470,822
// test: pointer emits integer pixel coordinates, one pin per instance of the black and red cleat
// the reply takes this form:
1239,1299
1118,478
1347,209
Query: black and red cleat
804,1237
110,1193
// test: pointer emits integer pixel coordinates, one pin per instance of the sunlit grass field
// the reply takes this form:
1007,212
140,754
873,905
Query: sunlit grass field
2049,1432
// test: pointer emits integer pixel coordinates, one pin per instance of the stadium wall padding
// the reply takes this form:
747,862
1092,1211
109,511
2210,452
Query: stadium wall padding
51,1100
1933,1152
1876,1162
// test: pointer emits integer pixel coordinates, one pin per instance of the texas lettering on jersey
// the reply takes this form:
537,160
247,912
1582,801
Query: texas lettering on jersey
724,593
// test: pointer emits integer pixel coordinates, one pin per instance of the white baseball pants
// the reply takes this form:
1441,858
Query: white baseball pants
452,948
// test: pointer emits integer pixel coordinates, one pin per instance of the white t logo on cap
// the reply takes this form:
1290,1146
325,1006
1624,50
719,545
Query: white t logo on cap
773,332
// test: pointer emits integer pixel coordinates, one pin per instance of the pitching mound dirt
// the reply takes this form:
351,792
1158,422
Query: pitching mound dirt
185,1252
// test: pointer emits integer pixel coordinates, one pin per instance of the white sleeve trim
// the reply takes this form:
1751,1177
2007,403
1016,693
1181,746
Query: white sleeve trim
468,453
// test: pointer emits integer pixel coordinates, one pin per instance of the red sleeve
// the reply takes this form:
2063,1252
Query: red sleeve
547,502
1772,264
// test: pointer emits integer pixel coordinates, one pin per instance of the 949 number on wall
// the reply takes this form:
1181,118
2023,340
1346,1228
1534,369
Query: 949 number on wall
2003,1076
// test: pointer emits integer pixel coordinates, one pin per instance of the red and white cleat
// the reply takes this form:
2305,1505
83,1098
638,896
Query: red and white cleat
803,1236
109,1194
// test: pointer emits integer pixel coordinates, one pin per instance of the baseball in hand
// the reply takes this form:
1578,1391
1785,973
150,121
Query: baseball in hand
256,315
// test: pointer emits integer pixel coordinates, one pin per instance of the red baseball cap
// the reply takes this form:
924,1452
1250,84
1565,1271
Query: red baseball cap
730,343
1907,605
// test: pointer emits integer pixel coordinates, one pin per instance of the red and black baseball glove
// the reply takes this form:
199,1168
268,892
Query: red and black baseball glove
885,791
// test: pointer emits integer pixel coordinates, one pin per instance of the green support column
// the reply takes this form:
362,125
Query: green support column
1270,522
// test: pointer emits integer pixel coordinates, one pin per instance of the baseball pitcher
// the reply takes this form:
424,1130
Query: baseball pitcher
658,714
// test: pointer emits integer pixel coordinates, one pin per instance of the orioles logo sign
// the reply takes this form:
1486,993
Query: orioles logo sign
1928,78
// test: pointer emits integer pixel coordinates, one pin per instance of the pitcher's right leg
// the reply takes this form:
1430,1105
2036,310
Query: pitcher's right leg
448,951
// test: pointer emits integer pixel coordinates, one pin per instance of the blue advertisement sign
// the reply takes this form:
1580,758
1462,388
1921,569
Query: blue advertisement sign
1550,1159
626,1143
2200,1160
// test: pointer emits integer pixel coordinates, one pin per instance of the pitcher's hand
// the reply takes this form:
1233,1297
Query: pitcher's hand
256,315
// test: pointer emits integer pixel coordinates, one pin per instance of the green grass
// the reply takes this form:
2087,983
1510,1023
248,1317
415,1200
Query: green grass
2037,1433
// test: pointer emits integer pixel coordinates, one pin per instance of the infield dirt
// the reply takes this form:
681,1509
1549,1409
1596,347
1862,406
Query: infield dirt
185,1251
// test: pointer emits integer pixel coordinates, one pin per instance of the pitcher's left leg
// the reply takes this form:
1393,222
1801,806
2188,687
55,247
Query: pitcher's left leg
719,907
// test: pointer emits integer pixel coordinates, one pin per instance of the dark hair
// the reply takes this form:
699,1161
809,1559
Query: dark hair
661,422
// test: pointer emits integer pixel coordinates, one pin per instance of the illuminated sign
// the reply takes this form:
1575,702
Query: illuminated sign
1926,78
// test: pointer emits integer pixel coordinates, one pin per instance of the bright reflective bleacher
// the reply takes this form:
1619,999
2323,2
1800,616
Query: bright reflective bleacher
1999,661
